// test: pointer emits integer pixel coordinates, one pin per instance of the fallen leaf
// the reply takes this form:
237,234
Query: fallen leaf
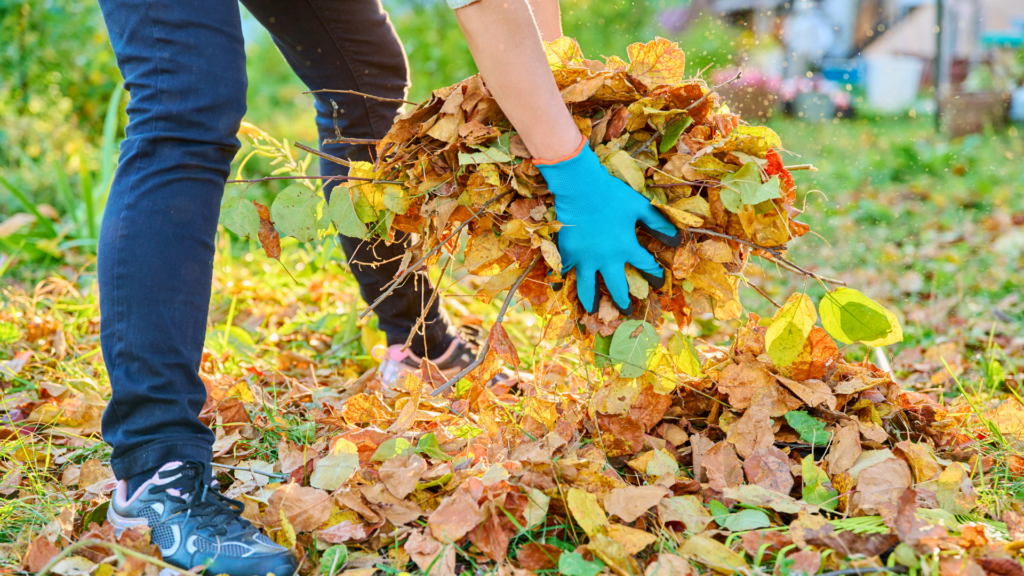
631,502
455,517
687,510
714,554
305,508
401,474
723,467
434,558
333,470
586,510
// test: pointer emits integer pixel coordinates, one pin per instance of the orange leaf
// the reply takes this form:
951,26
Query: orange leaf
656,63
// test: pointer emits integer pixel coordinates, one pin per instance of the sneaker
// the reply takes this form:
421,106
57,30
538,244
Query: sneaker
397,362
194,525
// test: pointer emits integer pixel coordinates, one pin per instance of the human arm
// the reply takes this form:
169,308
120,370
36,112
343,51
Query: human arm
598,212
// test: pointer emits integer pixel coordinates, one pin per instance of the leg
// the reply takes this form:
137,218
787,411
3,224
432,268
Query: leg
184,65
351,45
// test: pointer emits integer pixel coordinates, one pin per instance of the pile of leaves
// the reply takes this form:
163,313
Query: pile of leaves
627,449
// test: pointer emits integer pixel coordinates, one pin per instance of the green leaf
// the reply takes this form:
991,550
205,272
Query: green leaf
744,187
395,199
239,215
573,564
633,351
296,212
364,209
333,559
789,329
662,463
602,344
337,467
684,354
428,446
672,133
850,316
343,213
811,429
817,488
744,520
391,448
10,333
490,155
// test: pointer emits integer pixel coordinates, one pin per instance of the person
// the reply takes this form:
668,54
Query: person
184,66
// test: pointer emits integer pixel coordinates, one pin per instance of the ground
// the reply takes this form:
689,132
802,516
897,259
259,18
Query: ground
931,228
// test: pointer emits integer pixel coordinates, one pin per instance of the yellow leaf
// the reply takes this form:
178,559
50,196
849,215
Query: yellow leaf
662,463
242,392
656,63
586,511
562,52
680,218
637,284
714,555
790,327
621,165
286,536
632,540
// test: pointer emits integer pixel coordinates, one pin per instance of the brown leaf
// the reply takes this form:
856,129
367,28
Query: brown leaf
1014,525
39,553
397,511
723,467
914,531
772,540
535,556
455,517
92,472
769,468
502,345
344,532
812,392
305,508
631,502
752,431
401,474
817,357
649,407
268,236
669,565
806,562
491,536
845,448
816,531
921,459
431,556
1000,566
881,484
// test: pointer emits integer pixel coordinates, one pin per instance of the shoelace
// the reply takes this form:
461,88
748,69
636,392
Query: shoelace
215,512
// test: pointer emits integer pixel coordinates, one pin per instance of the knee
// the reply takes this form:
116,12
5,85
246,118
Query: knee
206,114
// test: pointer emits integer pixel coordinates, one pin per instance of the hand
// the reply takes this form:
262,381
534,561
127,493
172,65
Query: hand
599,214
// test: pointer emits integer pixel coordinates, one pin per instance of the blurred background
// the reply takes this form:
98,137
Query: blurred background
910,109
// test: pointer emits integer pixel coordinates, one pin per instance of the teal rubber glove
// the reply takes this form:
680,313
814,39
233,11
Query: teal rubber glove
599,214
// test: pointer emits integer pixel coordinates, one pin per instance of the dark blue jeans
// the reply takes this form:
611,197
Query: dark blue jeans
184,65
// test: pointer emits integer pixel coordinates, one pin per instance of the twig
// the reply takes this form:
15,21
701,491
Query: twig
326,178
866,570
116,548
363,94
251,471
761,292
487,343
794,167
323,155
685,183
397,281
647,144
367,141
773,251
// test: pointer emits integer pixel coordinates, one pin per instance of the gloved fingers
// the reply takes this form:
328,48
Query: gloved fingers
648,267
615,280
586,289
654,223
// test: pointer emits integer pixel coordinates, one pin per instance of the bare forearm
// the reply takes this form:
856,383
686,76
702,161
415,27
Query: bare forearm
503,38
548,17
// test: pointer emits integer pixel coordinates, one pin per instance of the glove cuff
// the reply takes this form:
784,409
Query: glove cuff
575,153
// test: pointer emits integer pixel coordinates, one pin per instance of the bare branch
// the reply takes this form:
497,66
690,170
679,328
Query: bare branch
363,94
774,251
487,343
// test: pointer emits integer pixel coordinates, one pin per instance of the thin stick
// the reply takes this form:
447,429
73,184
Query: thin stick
647,144
487,343
116,548
685,183
367,141
323,155
794,167
761,292
326,178
397,281
773,251
363,94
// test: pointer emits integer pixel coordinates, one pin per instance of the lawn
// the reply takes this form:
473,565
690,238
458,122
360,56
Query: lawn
932,229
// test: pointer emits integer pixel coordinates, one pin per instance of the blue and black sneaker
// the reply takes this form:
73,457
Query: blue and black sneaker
194,525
